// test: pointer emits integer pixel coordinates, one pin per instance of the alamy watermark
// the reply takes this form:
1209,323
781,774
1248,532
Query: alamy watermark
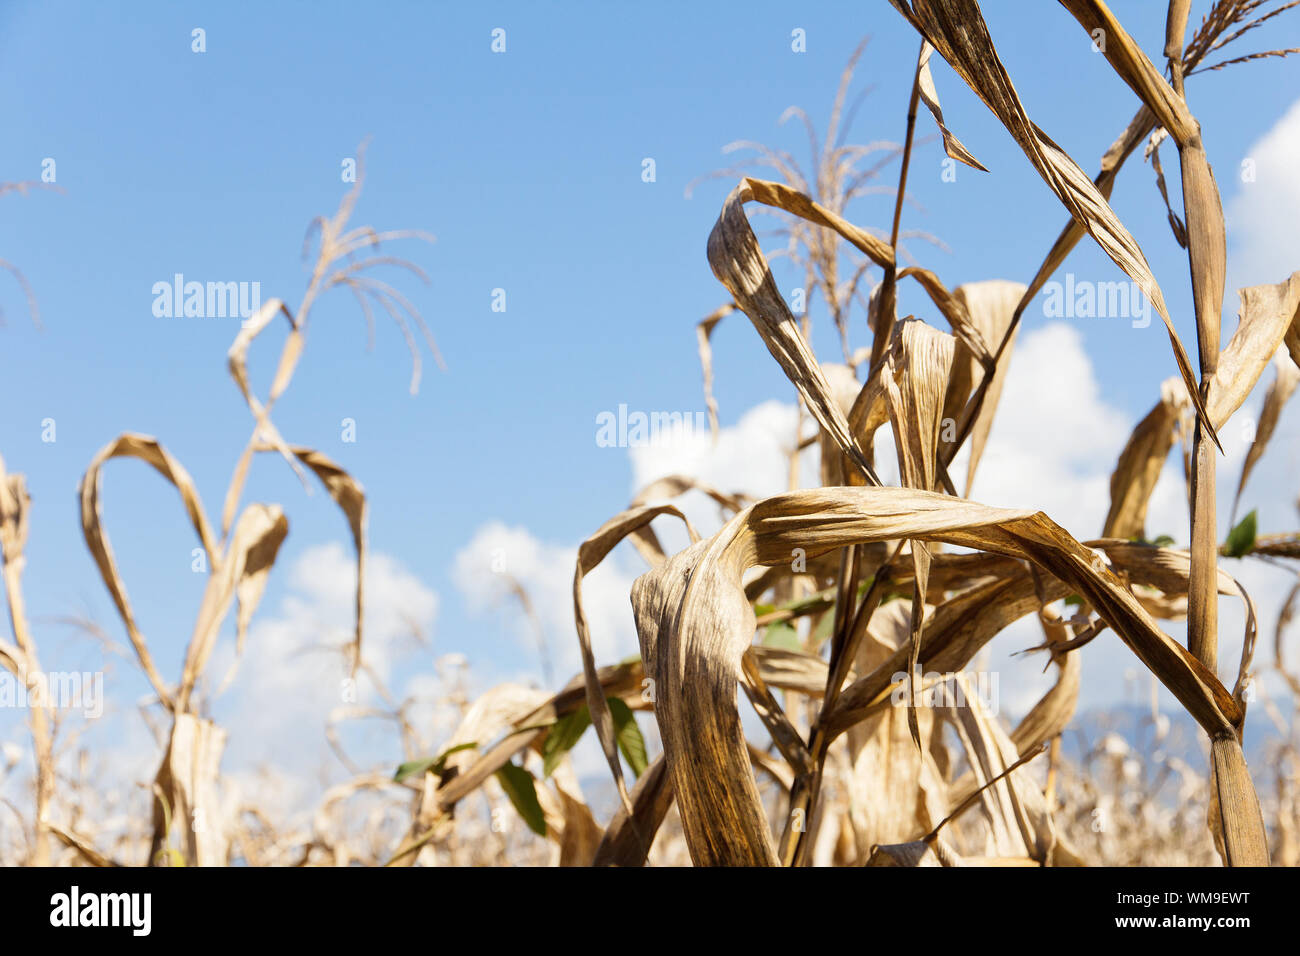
1084,299
60,690
205,300
948,690
624,429
74,908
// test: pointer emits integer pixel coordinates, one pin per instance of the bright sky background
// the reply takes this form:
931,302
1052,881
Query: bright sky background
527,167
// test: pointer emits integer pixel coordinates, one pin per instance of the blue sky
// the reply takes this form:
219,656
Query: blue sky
527,167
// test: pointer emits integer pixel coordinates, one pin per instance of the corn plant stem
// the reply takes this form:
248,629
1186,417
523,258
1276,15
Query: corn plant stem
1175,31
886,304
42,736
795,847
1239,826
851,617
847,596
1203,212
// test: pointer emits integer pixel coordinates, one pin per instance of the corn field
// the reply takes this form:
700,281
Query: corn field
812,673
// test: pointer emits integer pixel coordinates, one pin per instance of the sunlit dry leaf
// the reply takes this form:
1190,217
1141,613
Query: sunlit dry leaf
150,451
990,306
956,28
693,618
590,553
1140,463
1267,312
930,97
1285,380
740,266
188,781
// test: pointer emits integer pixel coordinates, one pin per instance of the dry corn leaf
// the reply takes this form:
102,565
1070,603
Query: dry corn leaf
569,821
580,834
1153,153
953,308
936,852
1285,380
1292,339
1170,570
590,553
82,846
918,853
1136,69
915,377
1139,127
930,97
351,499
1049,717
835,468
703,334
956,28
148,450
1140,463
187,781
991,305
897,793
629,836
1267,311
956,632
524,715
237,360
623,681
1020,826
785,736
1235,818
695,625
240,572
787,669
740,266
964,623
644,538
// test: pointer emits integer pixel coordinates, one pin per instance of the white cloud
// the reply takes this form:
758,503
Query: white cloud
1262,216
750,457
1053,446
290,676
545,571
1054,439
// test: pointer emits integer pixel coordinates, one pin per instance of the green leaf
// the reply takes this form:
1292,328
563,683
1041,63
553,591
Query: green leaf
428,764
782,635
565,733
814,602
1073,600
1241,539
630,742
761,610
520,787
1163,541
822,632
